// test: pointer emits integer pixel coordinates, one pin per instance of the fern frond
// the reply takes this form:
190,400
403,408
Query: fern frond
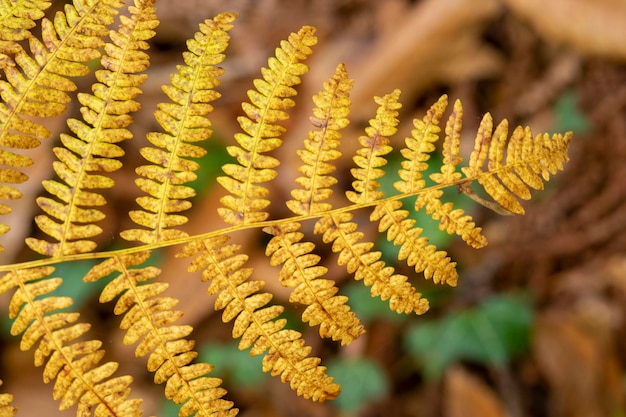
374,146
37,83
256,323
268,106
71,221
528,160
451,148
71,363
17,18
6,409
330,115
185,122
418,148
301,271
37,86
148,318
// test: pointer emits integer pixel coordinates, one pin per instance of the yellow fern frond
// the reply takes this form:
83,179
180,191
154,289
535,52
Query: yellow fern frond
374,145
149,319
71,221
72,363
528,160
418,148
36,83
17,18
268,106
330,116
256,323
301,272
185,122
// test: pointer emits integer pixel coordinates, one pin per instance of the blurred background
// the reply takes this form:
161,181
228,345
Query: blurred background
536,325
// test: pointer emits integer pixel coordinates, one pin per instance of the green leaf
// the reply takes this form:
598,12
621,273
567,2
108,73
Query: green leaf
568,115
491,333
362,381
242,370
210,166
369,308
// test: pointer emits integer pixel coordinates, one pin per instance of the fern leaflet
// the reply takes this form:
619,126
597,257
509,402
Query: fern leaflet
72,363
149,318
256,323
185,122
16,20
268,105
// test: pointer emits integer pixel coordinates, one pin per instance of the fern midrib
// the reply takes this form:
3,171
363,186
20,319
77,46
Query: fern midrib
247,226
59,347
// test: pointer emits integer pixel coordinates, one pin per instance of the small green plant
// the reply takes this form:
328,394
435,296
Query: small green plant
491,333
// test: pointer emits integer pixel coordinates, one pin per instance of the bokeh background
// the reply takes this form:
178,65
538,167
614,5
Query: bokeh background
536,326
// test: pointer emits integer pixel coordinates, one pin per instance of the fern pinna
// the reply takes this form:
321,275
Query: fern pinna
38,84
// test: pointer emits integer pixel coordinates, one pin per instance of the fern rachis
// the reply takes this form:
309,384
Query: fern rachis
37,85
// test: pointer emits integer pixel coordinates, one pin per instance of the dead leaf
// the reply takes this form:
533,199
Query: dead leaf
435,40
591,26
465,395
580,365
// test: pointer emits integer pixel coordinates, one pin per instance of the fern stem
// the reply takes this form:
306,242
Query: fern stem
222,231
536,158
